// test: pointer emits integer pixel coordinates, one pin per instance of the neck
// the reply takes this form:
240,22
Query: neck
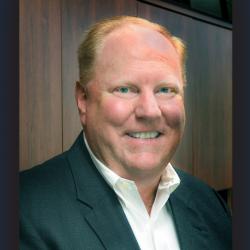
147,192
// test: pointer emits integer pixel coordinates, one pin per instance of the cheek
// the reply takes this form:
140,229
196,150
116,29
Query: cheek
116,111
174,113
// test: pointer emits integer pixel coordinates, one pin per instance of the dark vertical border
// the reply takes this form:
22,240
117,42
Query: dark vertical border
241,124
9,123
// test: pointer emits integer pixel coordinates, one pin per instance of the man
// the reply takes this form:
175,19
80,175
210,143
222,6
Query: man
115,188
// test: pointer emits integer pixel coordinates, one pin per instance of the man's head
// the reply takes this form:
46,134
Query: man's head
130,95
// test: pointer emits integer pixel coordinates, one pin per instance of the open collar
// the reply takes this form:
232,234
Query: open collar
102,211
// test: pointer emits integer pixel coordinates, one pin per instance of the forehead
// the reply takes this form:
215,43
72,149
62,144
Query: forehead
134,44
136,40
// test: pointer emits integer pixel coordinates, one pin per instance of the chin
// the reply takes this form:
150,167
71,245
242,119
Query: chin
147,165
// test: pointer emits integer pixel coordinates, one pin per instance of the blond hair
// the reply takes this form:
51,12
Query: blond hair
95,35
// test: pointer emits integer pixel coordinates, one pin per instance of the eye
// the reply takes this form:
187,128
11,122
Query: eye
166,91
125,91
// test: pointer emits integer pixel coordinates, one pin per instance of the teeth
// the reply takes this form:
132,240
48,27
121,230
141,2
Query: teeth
144,135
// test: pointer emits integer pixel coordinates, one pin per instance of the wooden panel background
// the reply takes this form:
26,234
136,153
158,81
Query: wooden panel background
212,107
40,81
50,33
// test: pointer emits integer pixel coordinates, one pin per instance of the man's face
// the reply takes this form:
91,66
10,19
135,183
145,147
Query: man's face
133,113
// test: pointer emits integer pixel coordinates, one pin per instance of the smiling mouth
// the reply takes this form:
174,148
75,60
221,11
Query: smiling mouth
145,135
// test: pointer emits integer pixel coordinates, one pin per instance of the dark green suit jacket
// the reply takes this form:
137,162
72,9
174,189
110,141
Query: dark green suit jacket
66,204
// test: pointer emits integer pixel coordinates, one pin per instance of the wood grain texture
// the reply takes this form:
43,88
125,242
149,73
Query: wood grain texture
206,150
40,81
77,16
212,132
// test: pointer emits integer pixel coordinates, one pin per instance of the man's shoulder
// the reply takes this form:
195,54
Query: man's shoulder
46,170
46,179
52,170
198,192
191,181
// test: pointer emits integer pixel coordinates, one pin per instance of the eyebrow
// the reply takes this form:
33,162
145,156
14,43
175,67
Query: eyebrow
172,81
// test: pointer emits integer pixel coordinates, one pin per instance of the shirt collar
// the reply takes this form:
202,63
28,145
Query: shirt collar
169,179
110,176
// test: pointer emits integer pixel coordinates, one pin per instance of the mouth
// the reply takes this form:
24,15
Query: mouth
144,135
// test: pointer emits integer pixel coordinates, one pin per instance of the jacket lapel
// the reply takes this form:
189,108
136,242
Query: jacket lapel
191,229
98,202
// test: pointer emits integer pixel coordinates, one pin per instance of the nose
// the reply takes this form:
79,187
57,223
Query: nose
147,107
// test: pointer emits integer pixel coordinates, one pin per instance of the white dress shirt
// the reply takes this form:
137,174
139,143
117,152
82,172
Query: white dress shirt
155,231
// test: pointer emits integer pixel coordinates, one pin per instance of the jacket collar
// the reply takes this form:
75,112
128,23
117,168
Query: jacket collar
191,229
98,202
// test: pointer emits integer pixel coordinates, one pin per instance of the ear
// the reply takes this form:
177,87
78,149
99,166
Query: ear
81,96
